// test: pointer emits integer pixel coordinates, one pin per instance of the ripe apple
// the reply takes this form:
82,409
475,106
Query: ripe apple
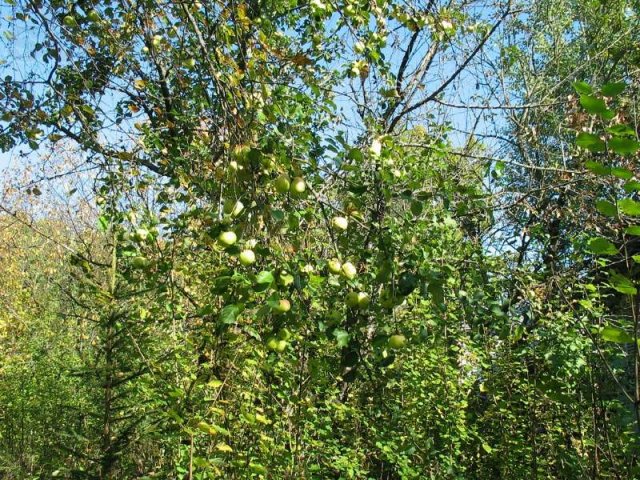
349,270
283,306
340,223
298,185
247,257
282,184
232,207
334,266
227,238
397,341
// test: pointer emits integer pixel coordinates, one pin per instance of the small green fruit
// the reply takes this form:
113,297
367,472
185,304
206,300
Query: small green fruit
94,16
349,270
156,40
334,266
70,21
352,299
363,300
227,238
282,184
190,63
272,343
281,346
141,234
340,223
397,341
232,207
298,185
284,334
247,257
283,306
139,262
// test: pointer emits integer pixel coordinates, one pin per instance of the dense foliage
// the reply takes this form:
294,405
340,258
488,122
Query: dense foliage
320,240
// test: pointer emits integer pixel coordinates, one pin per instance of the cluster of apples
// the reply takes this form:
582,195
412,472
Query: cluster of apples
283,184
233,208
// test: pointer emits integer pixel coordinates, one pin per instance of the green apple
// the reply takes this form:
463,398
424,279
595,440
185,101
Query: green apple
70,21
340,223
247,257
282,184
397,341
298,185
351,299
227,238
145,49
94,16
284,334
363,300
272,343
141,234
232,207
359,47
281,346
283,306
190,62
156,40
334,266
139,262
349,270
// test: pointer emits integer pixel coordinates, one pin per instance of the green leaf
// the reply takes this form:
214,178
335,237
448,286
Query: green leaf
103,223
621,130
616,335
593,104
622,284
342,337
632,186
487,448
264,277
583,88
230,313
621,173
601,246
636,258
597,168
591,142
629,207
606,208
624,145
633,230
613,89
